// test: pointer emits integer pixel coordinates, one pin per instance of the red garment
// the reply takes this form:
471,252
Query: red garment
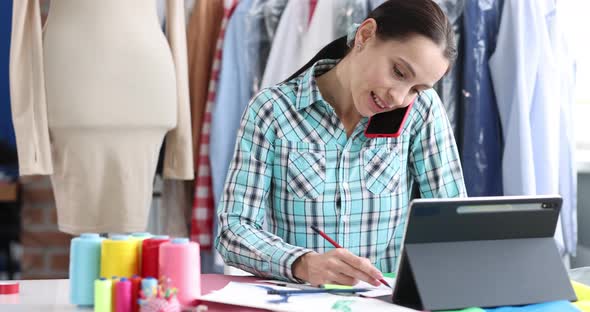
203,206
312,5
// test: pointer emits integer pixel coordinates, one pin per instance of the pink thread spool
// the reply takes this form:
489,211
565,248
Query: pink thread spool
180,262
123,293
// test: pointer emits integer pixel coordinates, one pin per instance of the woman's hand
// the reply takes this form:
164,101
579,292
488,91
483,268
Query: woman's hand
337,266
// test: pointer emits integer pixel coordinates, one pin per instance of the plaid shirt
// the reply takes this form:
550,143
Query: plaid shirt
295,166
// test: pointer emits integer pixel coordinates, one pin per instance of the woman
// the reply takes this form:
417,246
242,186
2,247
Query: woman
303,159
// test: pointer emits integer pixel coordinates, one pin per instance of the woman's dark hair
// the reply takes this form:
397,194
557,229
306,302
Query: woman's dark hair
399,19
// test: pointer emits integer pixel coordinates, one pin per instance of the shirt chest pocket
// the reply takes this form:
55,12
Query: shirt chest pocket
381,169
306,173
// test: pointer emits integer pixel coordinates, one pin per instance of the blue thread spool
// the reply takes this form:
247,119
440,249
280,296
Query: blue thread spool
160,237
149,286
84,267
141,235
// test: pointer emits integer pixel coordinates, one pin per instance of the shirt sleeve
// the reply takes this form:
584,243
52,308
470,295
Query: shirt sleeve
178,158
436,165
27,90
242,242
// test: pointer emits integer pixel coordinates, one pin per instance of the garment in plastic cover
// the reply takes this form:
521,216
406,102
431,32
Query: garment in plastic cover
350,12
263,19
482,135
449,87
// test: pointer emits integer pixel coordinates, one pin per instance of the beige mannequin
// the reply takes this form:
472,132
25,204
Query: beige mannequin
93,97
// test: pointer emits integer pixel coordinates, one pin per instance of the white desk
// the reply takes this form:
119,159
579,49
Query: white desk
53,295
40,295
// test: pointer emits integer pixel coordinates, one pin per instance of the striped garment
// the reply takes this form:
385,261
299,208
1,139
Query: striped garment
203,207
294,167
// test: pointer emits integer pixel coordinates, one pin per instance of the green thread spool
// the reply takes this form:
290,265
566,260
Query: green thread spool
103,292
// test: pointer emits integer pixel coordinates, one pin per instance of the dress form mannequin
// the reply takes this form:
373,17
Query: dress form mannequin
94,95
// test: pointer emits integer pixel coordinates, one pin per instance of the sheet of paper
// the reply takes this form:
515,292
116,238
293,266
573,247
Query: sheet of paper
376,291
286,284
251,295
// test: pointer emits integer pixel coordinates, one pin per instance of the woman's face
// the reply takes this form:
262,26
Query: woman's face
389,74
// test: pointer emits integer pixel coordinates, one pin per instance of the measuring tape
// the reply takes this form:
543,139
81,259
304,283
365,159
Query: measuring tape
8,287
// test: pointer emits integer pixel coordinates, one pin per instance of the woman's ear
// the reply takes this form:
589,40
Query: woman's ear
365,32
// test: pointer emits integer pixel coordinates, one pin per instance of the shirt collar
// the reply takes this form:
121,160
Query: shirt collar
308,92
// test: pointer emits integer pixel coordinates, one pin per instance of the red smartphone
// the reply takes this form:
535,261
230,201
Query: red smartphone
389,124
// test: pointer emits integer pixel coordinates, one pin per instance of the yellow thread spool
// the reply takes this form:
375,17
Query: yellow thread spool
140,237
102,295
119,256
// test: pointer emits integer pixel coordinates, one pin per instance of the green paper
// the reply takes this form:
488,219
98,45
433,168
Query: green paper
390,275
335,286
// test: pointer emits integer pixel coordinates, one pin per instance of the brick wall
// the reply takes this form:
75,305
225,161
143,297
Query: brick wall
45,250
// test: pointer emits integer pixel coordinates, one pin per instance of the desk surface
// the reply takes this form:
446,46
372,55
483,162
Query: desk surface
53,295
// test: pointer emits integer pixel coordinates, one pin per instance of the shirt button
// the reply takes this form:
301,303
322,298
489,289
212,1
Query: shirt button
344,219
345,185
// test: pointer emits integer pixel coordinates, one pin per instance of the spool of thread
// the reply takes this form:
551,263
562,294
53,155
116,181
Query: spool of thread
149,287
119,256
135,287
140,237
84,267
9,287
114,281
150,255
103,294
180,263
123,290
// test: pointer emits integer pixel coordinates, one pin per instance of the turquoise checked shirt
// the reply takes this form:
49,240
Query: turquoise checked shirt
294,167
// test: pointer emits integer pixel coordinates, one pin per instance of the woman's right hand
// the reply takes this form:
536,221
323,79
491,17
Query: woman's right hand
337,266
